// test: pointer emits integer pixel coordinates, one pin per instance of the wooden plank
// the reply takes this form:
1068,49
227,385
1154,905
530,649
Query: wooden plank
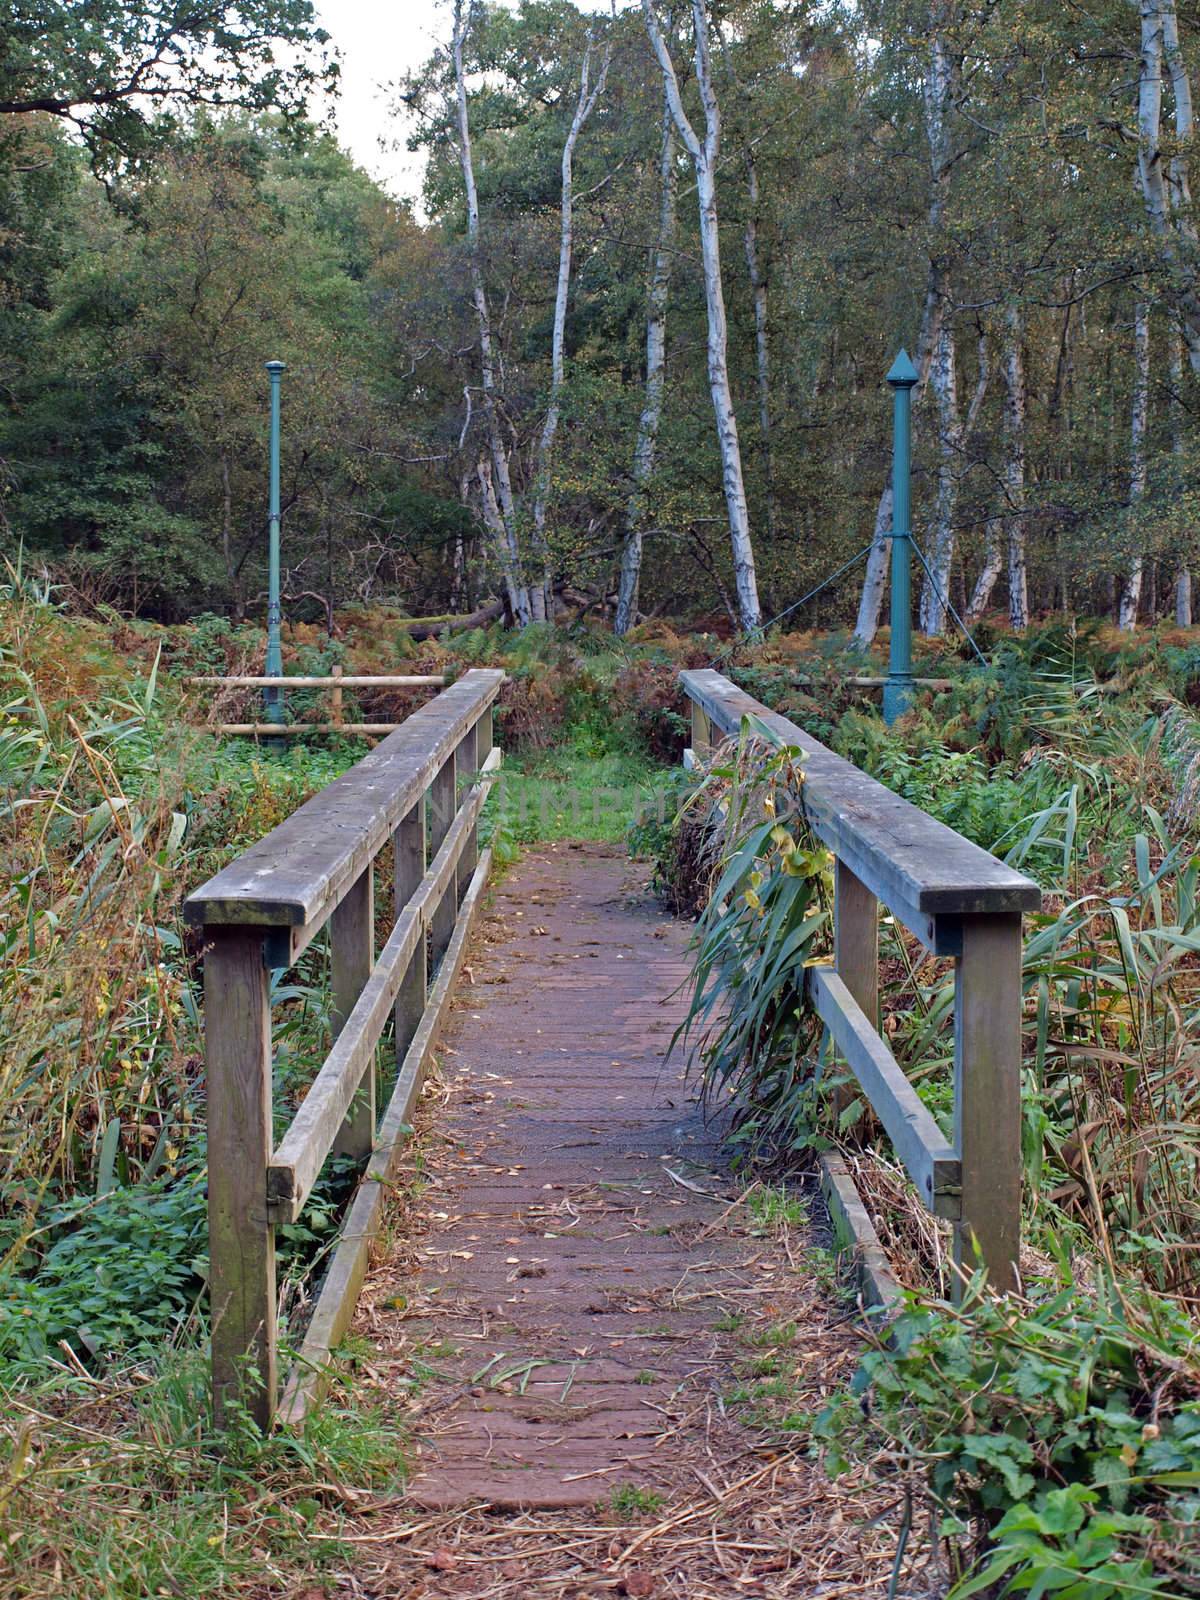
336,703
334,1309
298,872
348,680
856,940
916,1138
289,730
917,866
237,1053
352,955
987,1097
293,1169
466,762
443,799
408,855
701,731
856,949
854,1231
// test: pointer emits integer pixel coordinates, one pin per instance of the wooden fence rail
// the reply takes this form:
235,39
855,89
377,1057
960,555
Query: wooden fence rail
336,683
959,901
261,912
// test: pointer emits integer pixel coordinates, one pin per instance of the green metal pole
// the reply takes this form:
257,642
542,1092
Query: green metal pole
898,690
273,698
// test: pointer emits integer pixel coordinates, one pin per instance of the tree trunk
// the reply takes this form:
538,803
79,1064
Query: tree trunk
704,160
1183,575
1160,184
938,81
540,596
656,372
1014,467
1131,594
762,349
499,490
505,557
944,382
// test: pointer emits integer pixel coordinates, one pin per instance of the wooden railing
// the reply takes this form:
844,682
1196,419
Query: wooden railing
336,683
959,901
261,912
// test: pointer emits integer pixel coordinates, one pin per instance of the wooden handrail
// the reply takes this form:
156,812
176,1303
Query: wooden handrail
960,901
333,681
261,911
297,874
923,869
295,1166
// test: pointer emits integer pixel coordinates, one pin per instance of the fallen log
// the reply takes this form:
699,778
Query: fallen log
435,627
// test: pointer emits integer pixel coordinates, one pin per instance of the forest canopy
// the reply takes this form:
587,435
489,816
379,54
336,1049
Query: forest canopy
632,341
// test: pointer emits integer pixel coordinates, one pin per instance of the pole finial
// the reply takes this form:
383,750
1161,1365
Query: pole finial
903,374
276,366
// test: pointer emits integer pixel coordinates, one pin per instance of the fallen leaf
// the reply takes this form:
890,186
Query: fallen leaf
443,1560
638,1584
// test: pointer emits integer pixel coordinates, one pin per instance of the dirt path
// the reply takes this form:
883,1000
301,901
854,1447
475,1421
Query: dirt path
603,1331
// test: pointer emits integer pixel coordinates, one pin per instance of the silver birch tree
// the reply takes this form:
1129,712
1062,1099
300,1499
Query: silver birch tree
1139,416
656,373
585,104
704,154
499,489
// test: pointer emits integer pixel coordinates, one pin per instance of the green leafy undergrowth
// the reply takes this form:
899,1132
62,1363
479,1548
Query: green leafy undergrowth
1058,1440
117,1488
765,920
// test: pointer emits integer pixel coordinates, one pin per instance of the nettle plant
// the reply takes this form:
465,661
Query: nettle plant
766,919
1057,1441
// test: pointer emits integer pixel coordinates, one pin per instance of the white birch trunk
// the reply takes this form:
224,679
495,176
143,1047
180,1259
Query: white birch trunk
1183,574
1131,594
502,551
704,160
937,104
1176,234
1014,468
501,488
944,382
584,106
656,372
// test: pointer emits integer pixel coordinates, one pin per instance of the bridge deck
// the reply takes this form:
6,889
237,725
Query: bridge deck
584,1280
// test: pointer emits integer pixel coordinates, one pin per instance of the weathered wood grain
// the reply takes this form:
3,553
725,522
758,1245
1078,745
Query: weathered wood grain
920,868
237,1050
408,869
298,872
293,1169
918,1141
442,801
987,1097
335,1303
335,681
352,955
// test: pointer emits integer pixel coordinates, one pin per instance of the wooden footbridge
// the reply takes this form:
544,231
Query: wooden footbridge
565,1095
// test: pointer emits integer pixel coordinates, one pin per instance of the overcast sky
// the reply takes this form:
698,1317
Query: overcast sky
379,41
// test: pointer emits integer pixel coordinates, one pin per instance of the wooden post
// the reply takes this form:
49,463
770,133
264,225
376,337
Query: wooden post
409,851
336,697
443,794
987,1097
701,732
855,951
237,1052
856,940
485,736
467,759
352,955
